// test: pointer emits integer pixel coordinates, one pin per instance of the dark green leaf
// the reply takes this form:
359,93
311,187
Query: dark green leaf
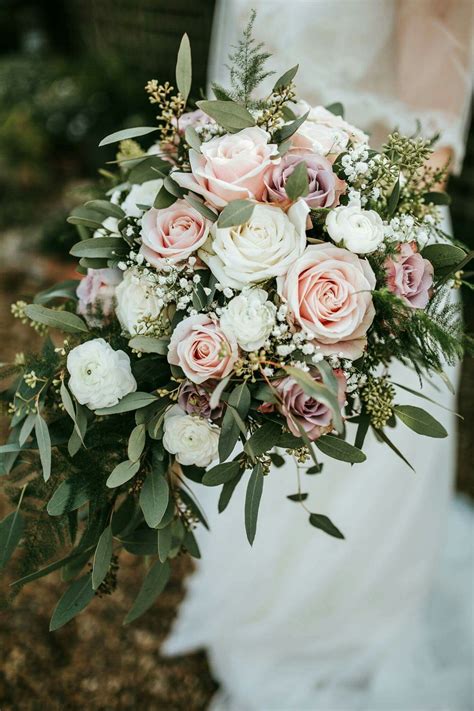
362,430
193,507
443,256
142,541
420,421
122,473
102,558
56,565
164,543
62,320
154,498
240,399
64,289
393,199
297,184
132,401
229,435
149,344
26,429
289,129
100,247
44,445
127,133
201,207
285,78
106,208
221,473
227,491
70,495
336,108
297,497
154,584
277,459
325,524
252,501
191,545
263,439
231,116
164,199
236,212
11,531
339,449
437,198
381,435
136,443
74,600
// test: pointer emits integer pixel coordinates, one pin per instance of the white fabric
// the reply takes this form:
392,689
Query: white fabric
302,621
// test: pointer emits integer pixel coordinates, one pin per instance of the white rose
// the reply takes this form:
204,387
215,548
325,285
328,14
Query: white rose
250,318
191,439
360,230
136,302
100,376
109,229
143,194
262,248
323,132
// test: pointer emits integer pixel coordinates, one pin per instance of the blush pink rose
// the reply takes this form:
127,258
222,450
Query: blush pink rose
328,292
325,133
324,187
96,292
172,234
230,167
410,276
301,409
201,349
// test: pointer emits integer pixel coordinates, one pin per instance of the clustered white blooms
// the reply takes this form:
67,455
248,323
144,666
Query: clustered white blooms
358,230
137,302
192,439
250,317
100,376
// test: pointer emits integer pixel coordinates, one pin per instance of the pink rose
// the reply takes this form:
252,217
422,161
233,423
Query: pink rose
172,234
410,276
229,167
192,118
96,293
299,408
328,293
324,132
201,349
324,187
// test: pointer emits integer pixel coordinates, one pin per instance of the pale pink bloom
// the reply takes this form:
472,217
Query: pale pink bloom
96,292
301,409
172,234
328,292
324,132
192,118
196,400
230,167
410,276
201,349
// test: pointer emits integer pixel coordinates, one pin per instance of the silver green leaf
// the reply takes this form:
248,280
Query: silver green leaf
235,213
228,114
62,320
122,473
420,421
252,501
44,445
154,497
154,583
74,600
127,133
184,68
102,557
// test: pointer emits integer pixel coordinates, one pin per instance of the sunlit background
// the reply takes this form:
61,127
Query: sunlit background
70,73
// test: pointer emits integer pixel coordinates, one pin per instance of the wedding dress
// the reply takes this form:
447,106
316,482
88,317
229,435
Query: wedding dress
383,619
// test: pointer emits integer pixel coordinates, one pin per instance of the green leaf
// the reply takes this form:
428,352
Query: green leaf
184,68
240,399
201,207
289,129
263,439
221,473
132,401
297,497
217,392
199,297
190,543
339,449
425,397
11,531
44,445
362,430
75,599
193,507
56,565
437,198
102,557
228,114
325,524
149,344
26,429
154,584
122,473
236,212
297,184
443,256
150,168
192,139
420,421
62,320
285,78
136,443
229,435
164,199
336,108
142,541
252,501
154,498
106,208
381,435
164,543
227,491
100,247
64,289
70,495
392,201
127,133
319,392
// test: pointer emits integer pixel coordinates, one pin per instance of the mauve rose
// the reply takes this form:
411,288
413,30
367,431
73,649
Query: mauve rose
229,167
96,293
328,292
324,187
201,349
299,408
410,276
192,118
195,400
172,234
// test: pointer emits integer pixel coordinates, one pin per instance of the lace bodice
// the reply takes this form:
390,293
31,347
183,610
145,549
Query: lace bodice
390,62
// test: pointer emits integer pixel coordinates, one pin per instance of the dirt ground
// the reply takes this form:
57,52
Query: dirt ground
94,662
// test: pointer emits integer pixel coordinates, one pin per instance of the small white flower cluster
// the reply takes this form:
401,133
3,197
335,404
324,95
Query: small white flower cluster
406,229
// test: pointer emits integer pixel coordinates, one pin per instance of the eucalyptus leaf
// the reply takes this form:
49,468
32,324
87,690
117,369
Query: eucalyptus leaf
336,108
192,138
191,545
154,497
70,495
184,68
235,213
11,531
228,114
122,473
229,435
201,207
252,501
240,399
100,247
325,524
443,256
164,199
437,198
297,497
217,392
286,131
227,491
393,200
164,543
297,184
286,78
383,436
263,439
154,584
75,599
420,421
132,401
221,473
106,208
62,320
319,392
44,445
339,449
127,133
64,289
102,558
26,428
136,443
149,344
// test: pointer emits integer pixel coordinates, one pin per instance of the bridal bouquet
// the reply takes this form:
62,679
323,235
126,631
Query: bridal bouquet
246,281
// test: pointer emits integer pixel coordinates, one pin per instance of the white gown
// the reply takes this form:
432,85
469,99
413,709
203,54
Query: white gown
302,621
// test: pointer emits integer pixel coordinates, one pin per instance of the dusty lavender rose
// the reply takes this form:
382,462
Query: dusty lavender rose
410,276
192,118
196,400
324,187
96,293
299,408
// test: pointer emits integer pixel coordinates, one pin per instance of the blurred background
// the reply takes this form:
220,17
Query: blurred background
72,71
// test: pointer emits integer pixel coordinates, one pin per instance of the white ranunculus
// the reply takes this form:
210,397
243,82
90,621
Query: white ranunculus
192,439
249,317
100,376
143,194
136,301
111,228
361,231
262,248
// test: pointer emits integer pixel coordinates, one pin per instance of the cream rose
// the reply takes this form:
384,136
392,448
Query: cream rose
262,248
136,302
171,235
249,318
191,439
325,133
100,376
143,194
201,349
328,292
230,167
360,231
